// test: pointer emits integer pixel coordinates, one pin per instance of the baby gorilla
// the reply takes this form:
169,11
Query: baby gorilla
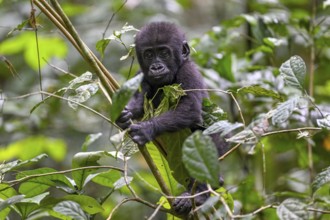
163,55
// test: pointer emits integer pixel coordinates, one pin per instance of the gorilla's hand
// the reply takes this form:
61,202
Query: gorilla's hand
124,119
142,132
182,205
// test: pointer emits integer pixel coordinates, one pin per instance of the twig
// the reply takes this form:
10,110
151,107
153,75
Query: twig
156,210
125,178
291,130
63,98
34,25
14,182
229,152
112,16
136,200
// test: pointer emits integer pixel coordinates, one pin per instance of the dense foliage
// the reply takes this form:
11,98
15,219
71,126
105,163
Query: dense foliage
267,70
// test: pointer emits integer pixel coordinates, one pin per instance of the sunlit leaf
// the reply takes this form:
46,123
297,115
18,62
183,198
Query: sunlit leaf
55,148
211,113
10,201
70,209
321,179
84,159
91,138
107,178
324,122
36,199
293,72
83,93
122,182
49,47
284,110
260,91
87,203
224,127
201,158
40,184
123,95
244,137
292,209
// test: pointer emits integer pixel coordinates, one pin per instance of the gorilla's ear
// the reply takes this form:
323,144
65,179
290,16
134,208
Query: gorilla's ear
185,50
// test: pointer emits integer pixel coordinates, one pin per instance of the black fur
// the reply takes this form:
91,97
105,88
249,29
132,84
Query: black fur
163,55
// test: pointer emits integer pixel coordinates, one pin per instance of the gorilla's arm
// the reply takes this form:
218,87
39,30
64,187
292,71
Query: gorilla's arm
134,108
187,114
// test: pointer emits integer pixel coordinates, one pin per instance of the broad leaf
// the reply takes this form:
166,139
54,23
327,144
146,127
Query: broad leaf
260,91
284,110
321,179
292,209
163,167
293,72
82,94
324,122
107,178
87,203
84,159
201,158
123,95
69,210
91,138
122,182
246,136
38,185
10,201
211,113
224,127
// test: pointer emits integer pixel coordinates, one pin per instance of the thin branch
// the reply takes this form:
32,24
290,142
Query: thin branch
112,16
229,152
291,130
35,28
63,98
156,210
23,179
126,180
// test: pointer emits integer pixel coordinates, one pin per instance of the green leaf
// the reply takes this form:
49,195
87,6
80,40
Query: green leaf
292,209
244,137
321,179
69,210
55,148
293,72
91,138
200,158
223,65
284,110
324,122
211,113
36,199
10,201
84,159
107,178
123,95
38,185
260,91
224,127
163,168
101,45
87,203
82,94
122,182
49,47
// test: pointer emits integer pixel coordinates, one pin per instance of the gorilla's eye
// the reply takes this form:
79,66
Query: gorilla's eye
164,53
148,55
